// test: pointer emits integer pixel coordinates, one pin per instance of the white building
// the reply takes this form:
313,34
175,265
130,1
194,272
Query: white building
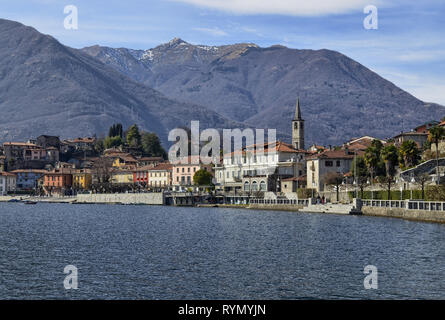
8,182
253,170
320,164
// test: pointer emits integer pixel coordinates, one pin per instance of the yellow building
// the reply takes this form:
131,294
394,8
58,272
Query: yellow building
122,177
82,179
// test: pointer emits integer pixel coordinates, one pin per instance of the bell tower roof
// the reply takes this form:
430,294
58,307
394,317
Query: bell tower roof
298,111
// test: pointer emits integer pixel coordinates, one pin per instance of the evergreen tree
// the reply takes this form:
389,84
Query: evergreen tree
151,145
134,137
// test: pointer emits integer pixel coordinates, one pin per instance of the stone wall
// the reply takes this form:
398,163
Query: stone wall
418,215
124,198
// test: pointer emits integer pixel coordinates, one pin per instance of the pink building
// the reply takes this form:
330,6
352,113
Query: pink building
182,173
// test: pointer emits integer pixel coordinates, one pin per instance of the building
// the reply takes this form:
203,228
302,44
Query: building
122,176
82,179
319,165
183,172
58,181
81,144
8,182
418,137
45,141
424,128
291,185
260,168
140,175
23,155
120,159
160,176
361,144
149,161
27,179
298,129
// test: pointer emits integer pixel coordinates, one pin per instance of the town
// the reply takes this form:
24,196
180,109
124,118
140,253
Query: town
405,167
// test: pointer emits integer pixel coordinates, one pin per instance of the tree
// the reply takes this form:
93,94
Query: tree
422,179
372,158
386,182
334,179
99,146
361,176
409,153
390,157
115,130
111,142
202,178
151,145
435,135
101,171
134,137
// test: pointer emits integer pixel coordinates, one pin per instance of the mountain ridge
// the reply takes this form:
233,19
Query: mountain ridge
340,97
49,88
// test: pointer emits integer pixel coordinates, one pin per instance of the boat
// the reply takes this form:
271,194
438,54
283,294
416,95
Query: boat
29,202
14,200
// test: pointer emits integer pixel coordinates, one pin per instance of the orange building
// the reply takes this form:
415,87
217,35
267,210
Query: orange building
58,181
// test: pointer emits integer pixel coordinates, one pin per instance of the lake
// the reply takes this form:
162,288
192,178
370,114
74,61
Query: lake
160,252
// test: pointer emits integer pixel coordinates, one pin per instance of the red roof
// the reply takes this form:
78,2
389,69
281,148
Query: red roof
335,154
7,174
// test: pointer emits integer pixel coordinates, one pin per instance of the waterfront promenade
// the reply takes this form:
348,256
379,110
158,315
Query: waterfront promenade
407,209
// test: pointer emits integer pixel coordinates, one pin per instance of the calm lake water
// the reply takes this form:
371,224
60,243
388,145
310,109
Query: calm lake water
153,252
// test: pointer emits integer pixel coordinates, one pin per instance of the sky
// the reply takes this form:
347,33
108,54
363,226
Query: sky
407,48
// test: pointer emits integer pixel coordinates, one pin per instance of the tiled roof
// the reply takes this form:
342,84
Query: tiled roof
29,170
150,159
277,146
334,154
7,174
21,144
411,133
300,178
162,166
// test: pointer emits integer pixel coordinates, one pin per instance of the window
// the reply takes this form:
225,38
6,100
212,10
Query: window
246,186
338,163
254,186
329,163
263,186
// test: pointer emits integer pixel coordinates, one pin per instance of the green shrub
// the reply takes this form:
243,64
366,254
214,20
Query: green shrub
304,193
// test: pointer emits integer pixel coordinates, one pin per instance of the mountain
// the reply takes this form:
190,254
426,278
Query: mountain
49,88
340,98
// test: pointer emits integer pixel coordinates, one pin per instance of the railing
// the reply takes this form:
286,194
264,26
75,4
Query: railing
303,202
406,204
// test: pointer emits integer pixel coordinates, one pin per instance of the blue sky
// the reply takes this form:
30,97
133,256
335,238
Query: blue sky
408,48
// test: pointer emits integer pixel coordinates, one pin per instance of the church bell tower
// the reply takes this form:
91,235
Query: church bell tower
298,128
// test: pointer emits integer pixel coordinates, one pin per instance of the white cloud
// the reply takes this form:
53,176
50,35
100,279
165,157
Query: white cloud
425,87
432,55
284,7
213,31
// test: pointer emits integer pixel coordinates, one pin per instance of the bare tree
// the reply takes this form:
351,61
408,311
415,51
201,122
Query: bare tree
101,171
422,179
334,179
